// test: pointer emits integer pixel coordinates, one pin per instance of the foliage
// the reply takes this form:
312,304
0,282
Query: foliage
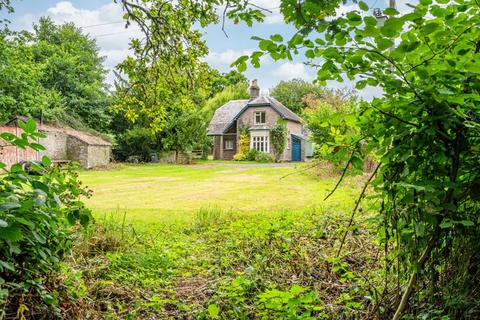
278,138
73,67
251,155
220,264
55,73
292,93
296,303
243,146
140,142
222,81
22,90
424,131
38,208
328,117
233,92
264,157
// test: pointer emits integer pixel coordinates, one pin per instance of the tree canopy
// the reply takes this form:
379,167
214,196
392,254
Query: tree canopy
55,73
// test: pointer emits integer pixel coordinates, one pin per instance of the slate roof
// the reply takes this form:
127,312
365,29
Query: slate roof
225,115
229,112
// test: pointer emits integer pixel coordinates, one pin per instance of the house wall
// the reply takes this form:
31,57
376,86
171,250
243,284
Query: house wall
271,119
228,154
55,145
246,119
295,128
216,148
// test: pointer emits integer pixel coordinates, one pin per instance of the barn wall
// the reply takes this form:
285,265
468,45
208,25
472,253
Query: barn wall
12,155
77,150
55,144
98,156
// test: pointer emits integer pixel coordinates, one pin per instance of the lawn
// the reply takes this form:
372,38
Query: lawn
148,193
218,240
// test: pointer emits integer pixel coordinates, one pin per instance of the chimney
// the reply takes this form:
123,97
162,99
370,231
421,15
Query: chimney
254,90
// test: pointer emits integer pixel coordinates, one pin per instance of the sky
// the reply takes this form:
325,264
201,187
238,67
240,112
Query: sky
102,20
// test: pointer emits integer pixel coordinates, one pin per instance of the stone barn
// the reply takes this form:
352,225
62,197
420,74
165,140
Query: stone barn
62,144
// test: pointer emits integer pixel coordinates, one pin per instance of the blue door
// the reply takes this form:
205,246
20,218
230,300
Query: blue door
296,153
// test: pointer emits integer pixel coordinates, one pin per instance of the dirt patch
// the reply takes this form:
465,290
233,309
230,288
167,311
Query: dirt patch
196,290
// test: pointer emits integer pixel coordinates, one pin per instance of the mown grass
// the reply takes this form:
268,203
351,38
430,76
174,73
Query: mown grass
168,245
152,193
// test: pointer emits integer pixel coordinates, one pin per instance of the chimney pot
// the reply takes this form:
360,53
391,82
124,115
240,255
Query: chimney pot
254,90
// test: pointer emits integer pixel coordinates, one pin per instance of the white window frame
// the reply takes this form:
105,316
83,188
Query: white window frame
229,144
259,113
260,141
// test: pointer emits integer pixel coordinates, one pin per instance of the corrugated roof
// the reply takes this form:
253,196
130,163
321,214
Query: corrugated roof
224,116
229,112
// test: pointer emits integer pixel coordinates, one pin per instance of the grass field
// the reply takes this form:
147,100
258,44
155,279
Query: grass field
149,193
218,240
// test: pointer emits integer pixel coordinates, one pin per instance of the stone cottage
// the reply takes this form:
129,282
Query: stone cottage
62,144
259,114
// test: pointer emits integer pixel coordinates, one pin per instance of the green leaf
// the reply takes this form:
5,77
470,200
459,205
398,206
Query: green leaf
276,38
9,205
390,11
7,265
3,223
362,5
46,162
213,311
384,43
11,233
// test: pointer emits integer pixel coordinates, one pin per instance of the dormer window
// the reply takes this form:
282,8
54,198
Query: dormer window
260,117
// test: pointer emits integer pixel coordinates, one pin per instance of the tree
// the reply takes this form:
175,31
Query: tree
425,131
21,91
292,93
225,80
72,66
327,117
238,91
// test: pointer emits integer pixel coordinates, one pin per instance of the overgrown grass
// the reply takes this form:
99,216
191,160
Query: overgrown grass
265,252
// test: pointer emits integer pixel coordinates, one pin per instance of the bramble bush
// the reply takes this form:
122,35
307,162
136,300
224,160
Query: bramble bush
38,209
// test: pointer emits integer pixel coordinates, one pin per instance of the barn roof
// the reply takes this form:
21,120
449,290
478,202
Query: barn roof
83,136
229,112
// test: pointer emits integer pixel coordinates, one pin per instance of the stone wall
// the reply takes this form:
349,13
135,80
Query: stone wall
55,145
77,150
98,156
246,119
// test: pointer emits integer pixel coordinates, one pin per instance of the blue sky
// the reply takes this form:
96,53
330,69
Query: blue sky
102,20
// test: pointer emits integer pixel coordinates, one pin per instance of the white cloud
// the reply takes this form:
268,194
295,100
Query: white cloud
289,71
223,60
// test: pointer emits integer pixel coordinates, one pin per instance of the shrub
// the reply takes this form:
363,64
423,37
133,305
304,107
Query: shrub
264,157
38,208
251,155
137,143
243,146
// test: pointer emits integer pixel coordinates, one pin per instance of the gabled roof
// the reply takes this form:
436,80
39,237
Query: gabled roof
224,116
231,111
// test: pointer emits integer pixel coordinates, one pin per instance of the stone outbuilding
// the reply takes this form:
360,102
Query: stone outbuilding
62,144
